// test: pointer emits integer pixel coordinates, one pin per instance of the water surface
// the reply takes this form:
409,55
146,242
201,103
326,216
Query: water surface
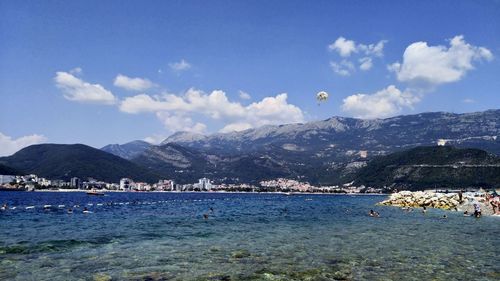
164,236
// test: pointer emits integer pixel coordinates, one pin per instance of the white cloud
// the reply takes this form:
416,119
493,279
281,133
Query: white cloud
376,50
179,122
434,65
346,48
179,66
343,46
244,95
365,63
76,71
132,84
173,109
75,89
343,68
9,146
423,68
384,103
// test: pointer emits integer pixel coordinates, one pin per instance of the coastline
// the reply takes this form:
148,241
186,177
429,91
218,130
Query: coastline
460,202
216,192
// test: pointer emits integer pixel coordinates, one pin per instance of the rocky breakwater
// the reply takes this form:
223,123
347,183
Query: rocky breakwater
447,201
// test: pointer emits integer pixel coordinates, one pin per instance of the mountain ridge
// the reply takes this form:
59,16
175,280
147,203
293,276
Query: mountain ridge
432,167
326,151
63,161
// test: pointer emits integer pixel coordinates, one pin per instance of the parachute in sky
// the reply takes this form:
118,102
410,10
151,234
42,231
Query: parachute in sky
321,97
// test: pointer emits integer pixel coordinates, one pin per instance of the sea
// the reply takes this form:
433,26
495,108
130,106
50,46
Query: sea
238,236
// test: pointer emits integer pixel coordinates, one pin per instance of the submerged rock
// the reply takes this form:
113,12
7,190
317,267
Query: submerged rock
240,254
102,277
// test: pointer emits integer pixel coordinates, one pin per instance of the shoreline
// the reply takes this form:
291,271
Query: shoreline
206,192
458,202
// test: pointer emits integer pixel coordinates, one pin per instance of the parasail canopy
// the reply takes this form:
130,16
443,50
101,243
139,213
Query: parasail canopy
322,96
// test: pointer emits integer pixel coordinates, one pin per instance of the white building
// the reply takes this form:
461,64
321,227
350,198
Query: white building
4,179
126,184
203,184
165,185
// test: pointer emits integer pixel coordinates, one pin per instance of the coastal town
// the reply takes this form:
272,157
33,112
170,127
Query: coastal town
35,183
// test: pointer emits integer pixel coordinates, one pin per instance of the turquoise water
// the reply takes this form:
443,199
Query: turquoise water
163,236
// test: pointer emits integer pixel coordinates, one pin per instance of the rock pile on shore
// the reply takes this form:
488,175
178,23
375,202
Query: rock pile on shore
447,201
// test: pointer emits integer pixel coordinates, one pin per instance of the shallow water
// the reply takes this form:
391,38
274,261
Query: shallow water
163,236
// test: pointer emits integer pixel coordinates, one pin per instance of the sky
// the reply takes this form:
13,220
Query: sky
101,72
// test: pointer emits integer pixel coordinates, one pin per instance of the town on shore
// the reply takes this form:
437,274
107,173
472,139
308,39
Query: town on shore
35,183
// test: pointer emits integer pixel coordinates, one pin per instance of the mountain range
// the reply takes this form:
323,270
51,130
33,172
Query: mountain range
321,152
331,151
129,150
64,161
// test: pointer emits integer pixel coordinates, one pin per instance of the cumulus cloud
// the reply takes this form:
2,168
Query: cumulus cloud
75,89
343,46
384,103
9,146
172,110
244,95
132,84
434,65
468,100
423,68
347,48
179,122
179,66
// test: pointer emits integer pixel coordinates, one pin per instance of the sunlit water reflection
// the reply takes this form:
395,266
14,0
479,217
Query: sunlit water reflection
164,236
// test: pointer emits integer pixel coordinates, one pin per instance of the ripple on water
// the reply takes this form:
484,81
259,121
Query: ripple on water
247,237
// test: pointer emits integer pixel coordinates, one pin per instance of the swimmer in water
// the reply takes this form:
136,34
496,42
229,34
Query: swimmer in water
205,216
85,210
4,207
477,210
374,214
70,211
424,210
211,209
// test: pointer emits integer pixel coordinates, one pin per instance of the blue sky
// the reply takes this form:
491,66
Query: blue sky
210,66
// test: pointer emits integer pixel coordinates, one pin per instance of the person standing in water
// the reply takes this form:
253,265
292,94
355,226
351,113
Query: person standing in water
477,210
